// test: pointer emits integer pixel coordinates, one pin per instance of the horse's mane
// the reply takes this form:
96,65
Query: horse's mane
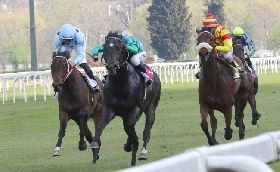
113,33
65,54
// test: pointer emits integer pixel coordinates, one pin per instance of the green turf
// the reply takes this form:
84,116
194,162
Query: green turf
28,131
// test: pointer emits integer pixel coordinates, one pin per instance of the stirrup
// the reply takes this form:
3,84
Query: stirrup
236,76
148,83
96,88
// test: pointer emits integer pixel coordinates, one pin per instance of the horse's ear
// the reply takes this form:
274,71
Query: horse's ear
198,30
67,54
213,30
54,54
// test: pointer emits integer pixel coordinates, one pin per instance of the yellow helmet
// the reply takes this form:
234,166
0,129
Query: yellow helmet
238,31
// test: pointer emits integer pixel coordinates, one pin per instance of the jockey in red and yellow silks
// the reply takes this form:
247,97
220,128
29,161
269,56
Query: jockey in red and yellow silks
222,38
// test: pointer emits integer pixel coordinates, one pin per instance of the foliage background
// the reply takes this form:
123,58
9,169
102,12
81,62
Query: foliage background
257,17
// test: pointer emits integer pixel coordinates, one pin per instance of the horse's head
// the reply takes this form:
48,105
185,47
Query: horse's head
239,51
114,54
60,69
205,44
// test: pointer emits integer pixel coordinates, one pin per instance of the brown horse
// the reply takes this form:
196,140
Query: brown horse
76,100
238,51
126,96
218,90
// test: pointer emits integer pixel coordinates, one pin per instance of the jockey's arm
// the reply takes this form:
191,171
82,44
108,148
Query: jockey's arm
227,47
251,45
80,49
96,50
57,42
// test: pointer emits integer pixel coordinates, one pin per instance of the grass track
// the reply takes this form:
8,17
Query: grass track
28,131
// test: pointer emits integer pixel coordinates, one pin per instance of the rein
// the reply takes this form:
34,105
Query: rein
69,69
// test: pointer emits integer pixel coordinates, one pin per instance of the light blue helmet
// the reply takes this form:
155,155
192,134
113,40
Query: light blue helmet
67,31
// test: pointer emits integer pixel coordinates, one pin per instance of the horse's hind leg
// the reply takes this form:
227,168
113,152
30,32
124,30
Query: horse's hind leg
63,118
82,123
150,119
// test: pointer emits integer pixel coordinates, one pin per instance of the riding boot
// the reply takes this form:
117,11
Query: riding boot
142,69
236,75
96,87
89,73
104,79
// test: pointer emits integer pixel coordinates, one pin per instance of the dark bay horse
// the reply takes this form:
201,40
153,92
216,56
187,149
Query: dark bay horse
126,96
75,100
218,90
238,51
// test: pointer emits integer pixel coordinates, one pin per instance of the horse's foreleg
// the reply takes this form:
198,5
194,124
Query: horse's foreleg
82,115
63,118
132,140
204,124
150,119
213,121
228,116
107,116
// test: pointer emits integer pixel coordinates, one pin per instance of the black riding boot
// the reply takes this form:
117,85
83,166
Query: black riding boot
142,69
90,75
104,79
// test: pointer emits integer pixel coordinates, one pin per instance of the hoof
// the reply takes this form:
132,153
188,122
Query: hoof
254,121
82,147
57,152
95,156
93,145
127,148
228,134
213,142
143,154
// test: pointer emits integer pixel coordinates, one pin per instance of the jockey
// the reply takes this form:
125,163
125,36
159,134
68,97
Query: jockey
69,38
247,43
222,38
137,55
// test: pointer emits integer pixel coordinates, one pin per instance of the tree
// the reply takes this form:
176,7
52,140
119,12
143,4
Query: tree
272,39
169,26
17,53
216,7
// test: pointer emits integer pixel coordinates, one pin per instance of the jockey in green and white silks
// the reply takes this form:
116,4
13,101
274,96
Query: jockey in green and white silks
137,55
69,38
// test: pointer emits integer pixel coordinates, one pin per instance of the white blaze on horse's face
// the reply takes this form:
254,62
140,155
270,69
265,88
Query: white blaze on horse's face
111,45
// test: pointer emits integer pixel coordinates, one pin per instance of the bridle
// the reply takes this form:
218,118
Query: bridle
206,45
123,61
68,72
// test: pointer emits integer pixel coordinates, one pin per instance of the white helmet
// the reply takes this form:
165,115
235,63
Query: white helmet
67,31
126,33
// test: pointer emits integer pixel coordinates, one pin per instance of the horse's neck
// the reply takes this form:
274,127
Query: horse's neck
73,82
124,74
210,71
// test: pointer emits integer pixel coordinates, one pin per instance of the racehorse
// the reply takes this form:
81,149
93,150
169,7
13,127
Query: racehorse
76,100
127,97
238,51
217,88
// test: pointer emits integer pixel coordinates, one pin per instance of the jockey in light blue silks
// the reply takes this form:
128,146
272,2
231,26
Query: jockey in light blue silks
137,55
69,38
248,45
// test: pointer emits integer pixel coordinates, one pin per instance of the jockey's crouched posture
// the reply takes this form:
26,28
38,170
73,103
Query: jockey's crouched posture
69,38
222,40
137,55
